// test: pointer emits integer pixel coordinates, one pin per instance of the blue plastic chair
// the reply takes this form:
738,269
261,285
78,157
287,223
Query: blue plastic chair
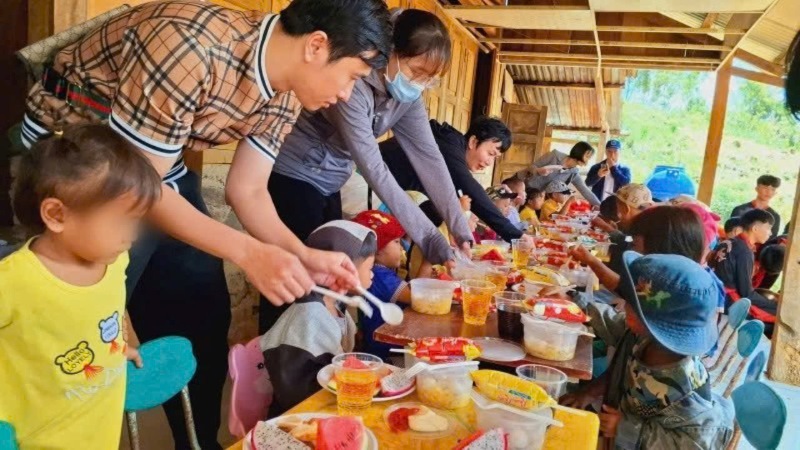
760,415
756,367
169,365
737,313
8,438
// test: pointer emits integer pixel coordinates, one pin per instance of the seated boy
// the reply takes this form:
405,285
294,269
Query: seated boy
534,202
386,284
558,199
734,261
315,328
657,391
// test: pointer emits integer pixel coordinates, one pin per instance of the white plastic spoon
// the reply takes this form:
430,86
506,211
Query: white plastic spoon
391,313
357,301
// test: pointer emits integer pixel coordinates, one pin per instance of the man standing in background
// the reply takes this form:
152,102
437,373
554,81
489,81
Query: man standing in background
766,188
606,177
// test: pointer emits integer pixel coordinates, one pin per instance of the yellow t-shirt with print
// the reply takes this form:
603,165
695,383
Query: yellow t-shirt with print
549,208
62,370
529,215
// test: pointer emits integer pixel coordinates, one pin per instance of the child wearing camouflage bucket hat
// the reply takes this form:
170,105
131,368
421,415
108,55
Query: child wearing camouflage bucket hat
667,401
315,328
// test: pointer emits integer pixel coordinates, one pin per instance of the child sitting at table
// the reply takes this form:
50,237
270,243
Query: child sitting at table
316,328
62,295
558,200
663,390
386,284
534,202
607,219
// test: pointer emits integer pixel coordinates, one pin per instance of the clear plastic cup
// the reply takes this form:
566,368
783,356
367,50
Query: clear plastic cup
355,386
476,299
509,315
521,252
429,296
553,381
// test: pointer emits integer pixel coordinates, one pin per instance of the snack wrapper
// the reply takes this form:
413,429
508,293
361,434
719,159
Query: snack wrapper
511,390
440,349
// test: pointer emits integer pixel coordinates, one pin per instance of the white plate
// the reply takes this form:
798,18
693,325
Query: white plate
499,350
372,441
326,373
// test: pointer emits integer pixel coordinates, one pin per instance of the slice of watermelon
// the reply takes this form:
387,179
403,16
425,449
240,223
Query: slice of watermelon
351,362
493,255
341,433
494,439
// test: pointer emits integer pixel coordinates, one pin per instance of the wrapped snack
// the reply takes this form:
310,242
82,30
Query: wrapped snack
555,308
511,390
538,274
557,259
440,349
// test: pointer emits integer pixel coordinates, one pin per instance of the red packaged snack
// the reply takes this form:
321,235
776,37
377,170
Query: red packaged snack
545,243
558,259
580,206
493,255
438,349
597,236
556,308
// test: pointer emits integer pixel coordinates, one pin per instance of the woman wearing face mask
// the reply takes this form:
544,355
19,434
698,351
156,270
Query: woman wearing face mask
319,154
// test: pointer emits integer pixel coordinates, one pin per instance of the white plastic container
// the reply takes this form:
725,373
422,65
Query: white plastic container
429,296
523,433
446,388
550,340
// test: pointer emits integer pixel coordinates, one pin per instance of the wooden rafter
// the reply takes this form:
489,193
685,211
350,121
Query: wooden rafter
607,64
591,43
708,22
684,30
627,58
558,85
752,27
761,63
760,77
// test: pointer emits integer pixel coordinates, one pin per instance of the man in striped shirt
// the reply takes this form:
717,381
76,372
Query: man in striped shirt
185,75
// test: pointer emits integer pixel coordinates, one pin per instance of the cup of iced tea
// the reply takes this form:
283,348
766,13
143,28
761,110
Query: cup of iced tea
496,272
476,300
356,378
521,252
509,315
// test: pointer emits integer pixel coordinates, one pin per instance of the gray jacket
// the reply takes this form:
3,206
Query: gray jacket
568,176
322,147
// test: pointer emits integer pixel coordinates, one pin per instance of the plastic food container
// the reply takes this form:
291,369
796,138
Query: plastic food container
602,249
446,388
553,381
429,296
523,433
538,289
550,340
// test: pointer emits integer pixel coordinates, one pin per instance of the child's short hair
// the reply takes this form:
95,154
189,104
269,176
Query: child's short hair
732,223
87,165
532,193
754,216
772,258
670,230
769,180
431,213
513,181
608,209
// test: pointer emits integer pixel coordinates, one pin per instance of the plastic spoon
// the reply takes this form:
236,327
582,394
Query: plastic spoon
357,302
485,403
391,313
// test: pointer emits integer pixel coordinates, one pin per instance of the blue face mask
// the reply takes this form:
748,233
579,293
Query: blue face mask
402,89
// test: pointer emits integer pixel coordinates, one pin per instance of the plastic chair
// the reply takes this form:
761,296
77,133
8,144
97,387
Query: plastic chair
169,365
756,367
251,393
748,338
737,313
760,415
8,438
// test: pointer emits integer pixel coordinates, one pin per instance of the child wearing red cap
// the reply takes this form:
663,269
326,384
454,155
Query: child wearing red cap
386,284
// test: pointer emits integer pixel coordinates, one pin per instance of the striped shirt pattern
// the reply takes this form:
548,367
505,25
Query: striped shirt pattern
182,75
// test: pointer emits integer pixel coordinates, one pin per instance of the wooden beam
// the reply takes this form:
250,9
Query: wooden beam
683,30
716,127
607,65
591,43
708,22
784,360
560,85
761,63
752,27
760,77
591,56
624,58
589,130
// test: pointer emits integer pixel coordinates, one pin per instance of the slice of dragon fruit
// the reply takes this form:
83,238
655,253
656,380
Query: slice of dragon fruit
270,437
494,439
396,384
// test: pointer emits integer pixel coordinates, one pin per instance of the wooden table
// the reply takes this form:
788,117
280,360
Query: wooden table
579,432
416,325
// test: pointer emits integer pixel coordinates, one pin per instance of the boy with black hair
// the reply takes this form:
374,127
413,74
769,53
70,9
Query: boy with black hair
485,141
766,188
517,186
733,261
316,328
733,227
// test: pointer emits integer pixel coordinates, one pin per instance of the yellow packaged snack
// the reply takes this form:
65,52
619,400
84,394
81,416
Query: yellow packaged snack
511,390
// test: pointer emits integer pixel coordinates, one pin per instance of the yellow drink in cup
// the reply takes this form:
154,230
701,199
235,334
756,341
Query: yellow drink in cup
498,278
356,378
476,299
520,252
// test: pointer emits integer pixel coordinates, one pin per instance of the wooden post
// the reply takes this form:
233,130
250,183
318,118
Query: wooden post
784,360
716,127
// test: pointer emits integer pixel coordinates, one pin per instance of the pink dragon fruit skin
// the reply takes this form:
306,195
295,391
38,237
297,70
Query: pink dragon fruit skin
396,384
270,437
494,439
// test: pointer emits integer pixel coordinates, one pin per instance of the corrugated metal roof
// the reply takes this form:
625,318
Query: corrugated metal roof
772,35
573,108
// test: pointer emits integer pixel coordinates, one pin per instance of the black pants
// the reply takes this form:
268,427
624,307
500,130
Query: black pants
176,290
303,209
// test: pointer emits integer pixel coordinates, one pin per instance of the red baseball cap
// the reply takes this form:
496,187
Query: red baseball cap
385,226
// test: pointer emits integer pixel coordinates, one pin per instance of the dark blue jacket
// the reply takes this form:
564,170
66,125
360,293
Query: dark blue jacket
620,173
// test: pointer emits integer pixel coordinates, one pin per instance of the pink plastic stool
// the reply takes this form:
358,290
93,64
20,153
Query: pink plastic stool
252,391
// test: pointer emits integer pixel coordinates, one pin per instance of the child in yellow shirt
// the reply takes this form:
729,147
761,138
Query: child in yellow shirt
534,201
62,295
558,200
